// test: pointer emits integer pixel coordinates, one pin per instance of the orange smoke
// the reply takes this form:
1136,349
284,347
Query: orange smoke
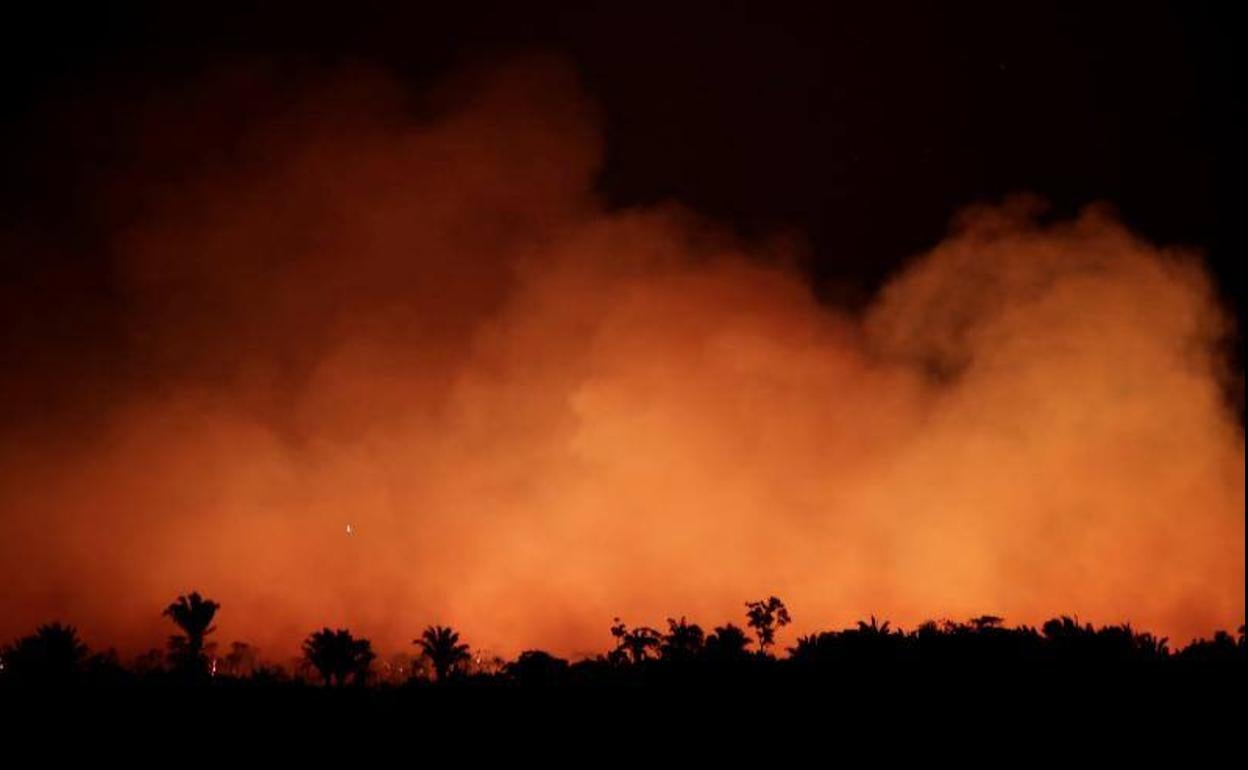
536,414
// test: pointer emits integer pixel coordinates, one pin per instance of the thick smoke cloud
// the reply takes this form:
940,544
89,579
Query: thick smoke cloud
414,316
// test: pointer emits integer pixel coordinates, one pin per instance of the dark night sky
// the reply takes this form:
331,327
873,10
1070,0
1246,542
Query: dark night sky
863,129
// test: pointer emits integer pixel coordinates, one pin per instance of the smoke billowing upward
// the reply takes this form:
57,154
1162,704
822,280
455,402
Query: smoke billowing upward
415,317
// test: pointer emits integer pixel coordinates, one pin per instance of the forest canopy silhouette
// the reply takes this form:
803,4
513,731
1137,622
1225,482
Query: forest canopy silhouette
380,355
55,656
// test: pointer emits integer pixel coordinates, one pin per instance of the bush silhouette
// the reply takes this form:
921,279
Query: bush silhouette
537,668
52,654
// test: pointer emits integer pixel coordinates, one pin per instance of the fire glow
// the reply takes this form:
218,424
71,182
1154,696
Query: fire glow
538,414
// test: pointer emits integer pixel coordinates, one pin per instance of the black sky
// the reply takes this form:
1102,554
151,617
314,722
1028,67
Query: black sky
866,129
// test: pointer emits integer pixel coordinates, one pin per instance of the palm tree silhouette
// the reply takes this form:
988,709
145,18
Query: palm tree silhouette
440,644
875,628
193,614
683,641
636,644
337,655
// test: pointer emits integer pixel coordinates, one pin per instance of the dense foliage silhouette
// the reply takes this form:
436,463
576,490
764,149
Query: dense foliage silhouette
872,650
53,653
766,616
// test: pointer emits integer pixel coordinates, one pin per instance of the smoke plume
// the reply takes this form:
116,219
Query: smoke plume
412,314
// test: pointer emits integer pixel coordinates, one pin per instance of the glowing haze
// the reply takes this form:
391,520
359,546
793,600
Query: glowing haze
416,318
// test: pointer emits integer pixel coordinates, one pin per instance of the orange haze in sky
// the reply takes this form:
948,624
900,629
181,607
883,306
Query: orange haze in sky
414,315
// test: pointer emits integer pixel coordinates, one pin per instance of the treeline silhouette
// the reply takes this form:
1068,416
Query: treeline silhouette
54,655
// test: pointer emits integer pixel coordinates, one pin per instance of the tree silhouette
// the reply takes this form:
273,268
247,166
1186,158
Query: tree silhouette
726,643
981,647
871,643
765,617
537,667
683,640
874,628
814,648
1222,648
984,622
1064,627
54,653
241,659
149,662
441,646
634,645
618,630
338,655
193,614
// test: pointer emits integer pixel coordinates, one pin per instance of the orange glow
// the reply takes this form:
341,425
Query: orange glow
397,371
